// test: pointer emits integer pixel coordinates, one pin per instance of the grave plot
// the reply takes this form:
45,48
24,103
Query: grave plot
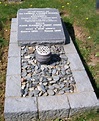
59,88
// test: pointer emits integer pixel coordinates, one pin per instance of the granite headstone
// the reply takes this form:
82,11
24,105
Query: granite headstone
39,26
97,4
14,0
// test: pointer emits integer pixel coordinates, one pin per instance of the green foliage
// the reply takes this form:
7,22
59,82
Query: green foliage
3,42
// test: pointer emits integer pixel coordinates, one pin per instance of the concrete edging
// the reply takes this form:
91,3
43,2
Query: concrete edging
51,107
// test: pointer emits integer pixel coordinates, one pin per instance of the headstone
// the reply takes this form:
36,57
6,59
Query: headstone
40,26
97,4
14,0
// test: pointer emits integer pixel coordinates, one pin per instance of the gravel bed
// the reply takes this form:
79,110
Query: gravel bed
54,78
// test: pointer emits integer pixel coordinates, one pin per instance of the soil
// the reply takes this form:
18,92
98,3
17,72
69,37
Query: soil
80,33
3,67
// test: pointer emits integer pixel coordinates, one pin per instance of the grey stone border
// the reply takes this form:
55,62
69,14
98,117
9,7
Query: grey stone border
45,108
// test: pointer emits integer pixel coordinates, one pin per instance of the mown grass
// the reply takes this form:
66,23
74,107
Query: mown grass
82,22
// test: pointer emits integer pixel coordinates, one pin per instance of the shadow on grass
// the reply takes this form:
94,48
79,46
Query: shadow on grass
71,32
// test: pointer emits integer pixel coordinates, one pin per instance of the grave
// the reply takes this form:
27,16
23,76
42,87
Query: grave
50,98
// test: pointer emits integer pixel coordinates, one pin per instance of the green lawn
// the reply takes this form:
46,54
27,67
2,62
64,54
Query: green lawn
82,22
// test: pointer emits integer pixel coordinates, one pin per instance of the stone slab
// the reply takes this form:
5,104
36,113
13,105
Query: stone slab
70,48
20,109
14,27
14,67
82,102
14,20
13,37
83,83
14,50
75,61
13,86
40,26
52,107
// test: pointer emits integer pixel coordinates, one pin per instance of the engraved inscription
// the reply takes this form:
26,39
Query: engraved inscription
39,21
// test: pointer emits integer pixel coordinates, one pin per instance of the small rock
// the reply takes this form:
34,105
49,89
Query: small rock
26,92
30,50
27,57
36,68
56,78
71,88
45,80
45,94
23,80
41,88
51,87
23,86
35,92
54,71
52,82
66,89
56,86
63,72
29,76
55,90
63,56
31,89
28,71
50,92
41,79
68,63
22,47
31,93
35,61
66,67
49,78
41,93
61,92
24,73
62,85
45,83
22,92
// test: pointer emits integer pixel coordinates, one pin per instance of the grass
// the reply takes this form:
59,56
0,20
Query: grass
82,22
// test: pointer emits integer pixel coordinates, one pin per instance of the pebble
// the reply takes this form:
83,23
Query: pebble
56,86
41,93
45,79
45,94
66,67
35,92
50,92
22,80
41,88
22,92
54,71
56,78
45,83
51,87
31,93
27,57
23,87
61,92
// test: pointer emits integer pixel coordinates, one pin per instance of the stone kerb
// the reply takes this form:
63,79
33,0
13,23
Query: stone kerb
16,108
14,0
50,107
